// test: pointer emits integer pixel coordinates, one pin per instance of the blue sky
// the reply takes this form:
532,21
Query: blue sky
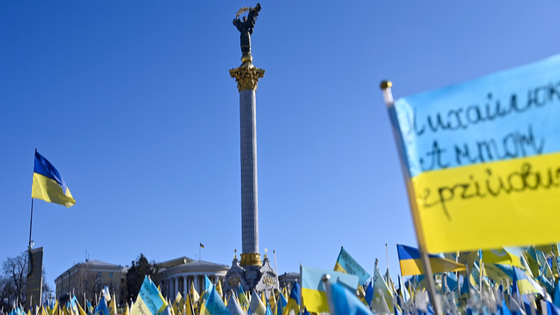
133,103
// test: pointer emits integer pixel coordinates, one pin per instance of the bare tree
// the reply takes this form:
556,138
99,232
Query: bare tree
85,281
14,269
13,280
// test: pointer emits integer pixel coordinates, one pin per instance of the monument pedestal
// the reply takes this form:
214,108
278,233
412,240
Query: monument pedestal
261,278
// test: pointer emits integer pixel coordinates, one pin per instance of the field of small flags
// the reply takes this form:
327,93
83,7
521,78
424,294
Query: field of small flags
504,281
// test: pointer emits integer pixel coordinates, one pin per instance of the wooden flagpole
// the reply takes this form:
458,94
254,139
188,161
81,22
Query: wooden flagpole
436,303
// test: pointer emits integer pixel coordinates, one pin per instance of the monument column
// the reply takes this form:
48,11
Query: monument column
247,77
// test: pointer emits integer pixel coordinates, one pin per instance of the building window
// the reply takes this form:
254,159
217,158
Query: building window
110,275
99,274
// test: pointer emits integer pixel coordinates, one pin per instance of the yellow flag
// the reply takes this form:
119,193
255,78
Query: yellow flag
272,302
219,288
125,310
500,256
56,310
113,306
263,299
81,310
194,294
188,306
534,265
177,303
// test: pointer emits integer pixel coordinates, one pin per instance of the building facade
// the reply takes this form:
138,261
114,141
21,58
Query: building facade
89,278
178,274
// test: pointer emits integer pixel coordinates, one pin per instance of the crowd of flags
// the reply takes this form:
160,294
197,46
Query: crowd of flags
522,281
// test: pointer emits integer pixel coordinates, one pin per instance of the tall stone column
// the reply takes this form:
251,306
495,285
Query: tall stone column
247,77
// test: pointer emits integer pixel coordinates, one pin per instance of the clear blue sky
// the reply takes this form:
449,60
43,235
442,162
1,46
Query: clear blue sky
133,103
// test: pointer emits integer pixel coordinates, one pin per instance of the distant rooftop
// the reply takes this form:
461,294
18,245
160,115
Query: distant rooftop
100,263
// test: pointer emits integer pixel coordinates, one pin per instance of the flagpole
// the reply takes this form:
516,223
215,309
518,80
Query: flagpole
387,255
388,96
276,267
31,222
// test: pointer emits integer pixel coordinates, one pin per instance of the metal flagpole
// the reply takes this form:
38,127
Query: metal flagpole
387,256
31,222
388,95
276,267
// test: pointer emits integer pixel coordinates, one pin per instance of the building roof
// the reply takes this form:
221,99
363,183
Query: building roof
175,262
100,263
90,264
206,264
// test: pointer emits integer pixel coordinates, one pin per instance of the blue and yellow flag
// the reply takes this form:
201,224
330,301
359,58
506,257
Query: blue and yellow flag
102,308
313,289
524,284
500,256
483,157
48,184
411,264
294,301
214,305
149,300
345,263
344,302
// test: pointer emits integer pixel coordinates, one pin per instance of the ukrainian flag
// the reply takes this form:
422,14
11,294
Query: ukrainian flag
48,185
482,158
149,300
411,264
524,284
294,301
345,263
313,290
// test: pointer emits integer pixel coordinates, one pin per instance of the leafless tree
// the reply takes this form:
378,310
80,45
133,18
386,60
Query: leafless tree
14,269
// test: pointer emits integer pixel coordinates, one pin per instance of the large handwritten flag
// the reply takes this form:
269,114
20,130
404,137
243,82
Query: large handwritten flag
345,263
484,159
149,300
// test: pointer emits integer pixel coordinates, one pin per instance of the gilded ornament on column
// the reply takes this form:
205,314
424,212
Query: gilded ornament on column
251,259
247,76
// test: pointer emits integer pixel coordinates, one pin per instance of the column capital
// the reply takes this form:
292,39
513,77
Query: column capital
247,76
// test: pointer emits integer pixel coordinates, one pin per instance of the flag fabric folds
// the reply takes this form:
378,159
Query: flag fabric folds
343,302
214,305
48,184
313,289
256,306
500,256
525,284
411,264
193,294
149,300
178,303
113,306
346,264
233,306
102,307
294,301
243,301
